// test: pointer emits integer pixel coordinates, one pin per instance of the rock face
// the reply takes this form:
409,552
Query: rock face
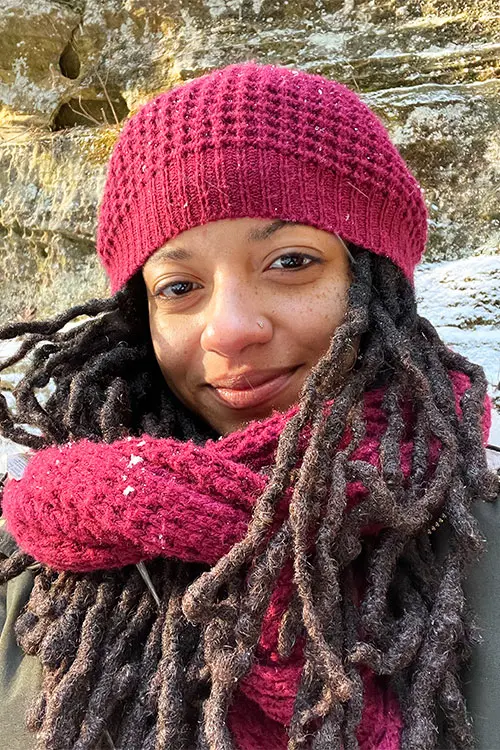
71,71
462,300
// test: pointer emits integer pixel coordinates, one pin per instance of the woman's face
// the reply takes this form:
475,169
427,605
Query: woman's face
240,311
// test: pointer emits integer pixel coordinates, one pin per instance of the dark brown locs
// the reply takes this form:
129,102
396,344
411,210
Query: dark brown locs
116,666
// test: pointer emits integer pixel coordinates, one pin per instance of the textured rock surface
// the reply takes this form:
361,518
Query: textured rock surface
71,71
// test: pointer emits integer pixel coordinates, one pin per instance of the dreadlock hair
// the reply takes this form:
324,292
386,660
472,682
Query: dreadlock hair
118,669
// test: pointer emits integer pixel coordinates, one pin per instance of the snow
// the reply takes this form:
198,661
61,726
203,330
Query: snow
134,460
461,298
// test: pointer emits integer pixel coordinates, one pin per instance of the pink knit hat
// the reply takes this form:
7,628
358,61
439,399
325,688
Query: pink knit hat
252,140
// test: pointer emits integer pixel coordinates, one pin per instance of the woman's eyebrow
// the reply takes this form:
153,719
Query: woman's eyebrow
258,235
180,253
170,253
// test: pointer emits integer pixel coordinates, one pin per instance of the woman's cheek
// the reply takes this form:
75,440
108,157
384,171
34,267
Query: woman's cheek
170,343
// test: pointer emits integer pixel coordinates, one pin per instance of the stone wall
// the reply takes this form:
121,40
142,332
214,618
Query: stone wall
71,71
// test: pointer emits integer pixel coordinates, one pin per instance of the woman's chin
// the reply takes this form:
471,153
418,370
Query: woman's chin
236,420
225,418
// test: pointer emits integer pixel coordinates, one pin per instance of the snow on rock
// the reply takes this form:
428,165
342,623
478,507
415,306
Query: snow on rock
461,298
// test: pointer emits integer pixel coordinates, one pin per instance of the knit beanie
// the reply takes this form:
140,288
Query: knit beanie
262,141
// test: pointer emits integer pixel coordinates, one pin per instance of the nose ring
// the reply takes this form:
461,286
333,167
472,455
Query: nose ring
260,324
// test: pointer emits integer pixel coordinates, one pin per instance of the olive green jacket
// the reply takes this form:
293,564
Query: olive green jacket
20,675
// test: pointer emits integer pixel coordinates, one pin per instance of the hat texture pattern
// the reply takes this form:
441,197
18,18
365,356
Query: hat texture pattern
253,140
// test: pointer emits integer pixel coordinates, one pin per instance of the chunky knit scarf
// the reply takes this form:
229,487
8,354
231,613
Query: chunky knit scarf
86,506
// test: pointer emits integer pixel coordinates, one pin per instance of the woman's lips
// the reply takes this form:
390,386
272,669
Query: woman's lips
252,396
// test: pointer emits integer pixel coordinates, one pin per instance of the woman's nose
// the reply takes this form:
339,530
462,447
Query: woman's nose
232,323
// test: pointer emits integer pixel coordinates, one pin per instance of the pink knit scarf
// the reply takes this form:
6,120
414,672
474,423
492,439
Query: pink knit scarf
87,506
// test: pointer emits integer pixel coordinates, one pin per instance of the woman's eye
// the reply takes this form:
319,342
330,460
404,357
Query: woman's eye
176,289
294,261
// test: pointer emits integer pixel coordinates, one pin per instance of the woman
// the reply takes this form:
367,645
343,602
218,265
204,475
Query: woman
259,420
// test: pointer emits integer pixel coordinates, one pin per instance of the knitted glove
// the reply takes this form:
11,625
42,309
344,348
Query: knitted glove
86,506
